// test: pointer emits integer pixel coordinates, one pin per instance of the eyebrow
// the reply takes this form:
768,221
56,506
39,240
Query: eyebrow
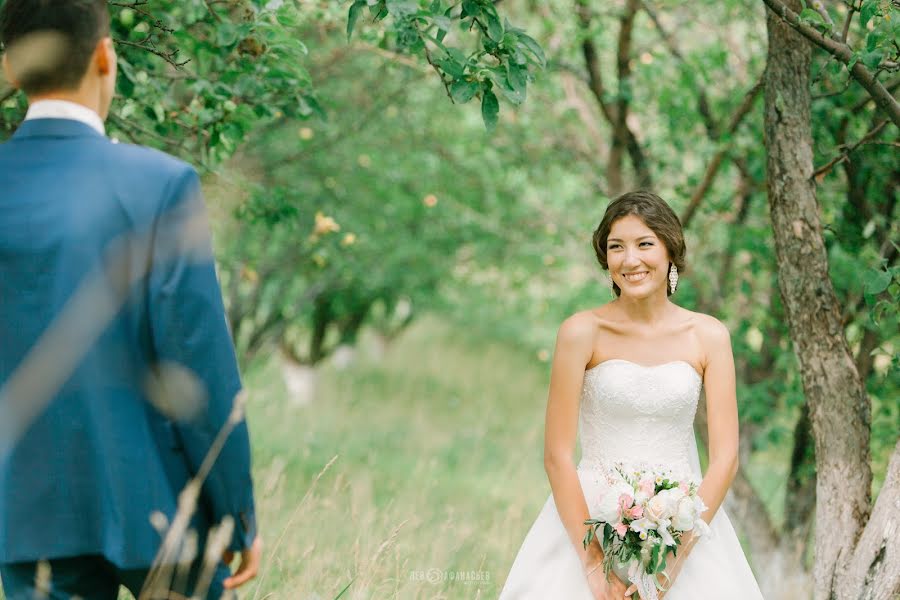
643,237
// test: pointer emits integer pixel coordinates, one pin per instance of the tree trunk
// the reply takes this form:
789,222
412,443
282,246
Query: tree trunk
839,408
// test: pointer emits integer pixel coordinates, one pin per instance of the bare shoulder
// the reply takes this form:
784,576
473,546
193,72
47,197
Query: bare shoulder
710,327
713,335
579,327
575,340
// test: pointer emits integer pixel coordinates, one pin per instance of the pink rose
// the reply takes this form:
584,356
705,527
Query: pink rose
621,529
647,487
625,501
684,487
637,512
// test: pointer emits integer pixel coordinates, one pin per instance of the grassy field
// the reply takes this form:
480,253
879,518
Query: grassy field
437,477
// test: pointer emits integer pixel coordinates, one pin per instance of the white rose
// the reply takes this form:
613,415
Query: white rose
685,514
664,504
656,508
608,509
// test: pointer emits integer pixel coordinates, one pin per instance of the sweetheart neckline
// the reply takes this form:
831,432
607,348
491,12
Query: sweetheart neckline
629,362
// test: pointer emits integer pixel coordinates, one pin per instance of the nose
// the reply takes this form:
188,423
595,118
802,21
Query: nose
630,260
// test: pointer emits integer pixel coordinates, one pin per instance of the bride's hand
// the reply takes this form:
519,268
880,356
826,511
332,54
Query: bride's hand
602,589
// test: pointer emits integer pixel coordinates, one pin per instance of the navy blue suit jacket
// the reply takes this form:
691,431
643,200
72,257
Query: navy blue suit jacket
82,470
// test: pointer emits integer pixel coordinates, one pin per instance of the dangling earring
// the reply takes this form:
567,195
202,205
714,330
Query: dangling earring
673,277
612,284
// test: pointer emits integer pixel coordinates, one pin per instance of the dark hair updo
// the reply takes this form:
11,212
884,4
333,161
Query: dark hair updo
656,214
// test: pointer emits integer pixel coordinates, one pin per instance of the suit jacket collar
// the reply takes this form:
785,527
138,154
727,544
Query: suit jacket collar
55,128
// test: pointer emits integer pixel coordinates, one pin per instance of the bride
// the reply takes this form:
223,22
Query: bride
627,376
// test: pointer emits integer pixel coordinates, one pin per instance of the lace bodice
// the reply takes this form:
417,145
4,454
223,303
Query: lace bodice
640,416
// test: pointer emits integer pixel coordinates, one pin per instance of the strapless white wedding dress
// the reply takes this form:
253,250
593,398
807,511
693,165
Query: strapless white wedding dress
643,416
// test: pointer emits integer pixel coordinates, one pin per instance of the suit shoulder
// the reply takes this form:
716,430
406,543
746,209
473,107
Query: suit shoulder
151,159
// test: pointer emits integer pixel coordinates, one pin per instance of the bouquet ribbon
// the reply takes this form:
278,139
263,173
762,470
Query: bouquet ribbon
647,585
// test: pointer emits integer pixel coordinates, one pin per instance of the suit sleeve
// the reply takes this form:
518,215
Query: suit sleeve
188,327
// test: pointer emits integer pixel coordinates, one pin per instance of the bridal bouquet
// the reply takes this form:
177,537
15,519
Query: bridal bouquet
640,518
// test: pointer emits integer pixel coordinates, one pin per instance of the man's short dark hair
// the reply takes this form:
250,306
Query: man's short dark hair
49,43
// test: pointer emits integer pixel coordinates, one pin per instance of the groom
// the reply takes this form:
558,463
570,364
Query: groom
116,365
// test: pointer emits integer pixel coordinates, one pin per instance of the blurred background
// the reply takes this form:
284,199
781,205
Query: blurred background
402,195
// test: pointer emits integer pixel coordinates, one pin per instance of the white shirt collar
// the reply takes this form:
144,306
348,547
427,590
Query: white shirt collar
63,109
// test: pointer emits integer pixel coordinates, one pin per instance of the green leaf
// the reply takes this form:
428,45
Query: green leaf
872,59
490,109
876,281
872,39
516,77
495,28
531,44
442,34
353,15
451,67
226,34
463,90
869,10
470,8
501,79
811,15
457,55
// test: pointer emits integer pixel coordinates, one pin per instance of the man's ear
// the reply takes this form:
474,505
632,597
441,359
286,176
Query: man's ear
8,73
105,55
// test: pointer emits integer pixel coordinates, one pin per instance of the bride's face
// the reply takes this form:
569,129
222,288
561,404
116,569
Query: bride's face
638,260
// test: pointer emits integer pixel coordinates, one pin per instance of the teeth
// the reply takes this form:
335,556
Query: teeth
635,276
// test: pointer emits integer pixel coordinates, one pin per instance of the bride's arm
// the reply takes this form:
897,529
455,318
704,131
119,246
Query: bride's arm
722,423
574,348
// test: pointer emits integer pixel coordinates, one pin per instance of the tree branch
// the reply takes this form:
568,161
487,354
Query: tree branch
169,57
822,171
623,74
844,53
610,112
891,87
713,167
845,30
820,8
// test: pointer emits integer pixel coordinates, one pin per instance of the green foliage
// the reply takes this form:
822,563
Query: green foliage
195,78
399,240
504,58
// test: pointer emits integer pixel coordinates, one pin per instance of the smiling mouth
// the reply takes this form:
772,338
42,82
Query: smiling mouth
635,277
